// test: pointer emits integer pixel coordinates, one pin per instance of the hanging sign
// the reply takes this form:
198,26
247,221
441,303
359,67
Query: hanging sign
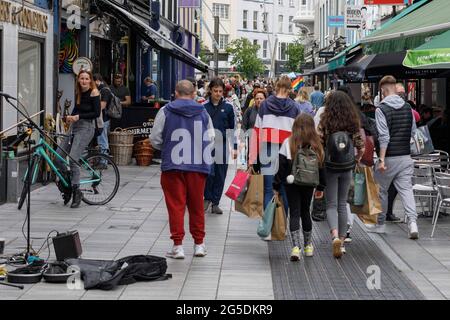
81,63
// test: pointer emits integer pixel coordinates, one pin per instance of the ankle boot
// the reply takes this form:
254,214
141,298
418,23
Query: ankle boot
76,196
295,237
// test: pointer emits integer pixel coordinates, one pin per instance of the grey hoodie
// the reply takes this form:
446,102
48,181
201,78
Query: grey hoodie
395,102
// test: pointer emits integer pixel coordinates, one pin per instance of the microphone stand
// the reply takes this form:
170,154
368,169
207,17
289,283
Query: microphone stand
31,124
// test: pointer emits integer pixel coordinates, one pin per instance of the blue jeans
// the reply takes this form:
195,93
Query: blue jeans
102,140
269,167
215,183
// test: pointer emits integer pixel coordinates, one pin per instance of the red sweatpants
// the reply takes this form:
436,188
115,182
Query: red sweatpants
183,189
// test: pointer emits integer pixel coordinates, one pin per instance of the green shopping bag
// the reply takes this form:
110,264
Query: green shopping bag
265,225
360,194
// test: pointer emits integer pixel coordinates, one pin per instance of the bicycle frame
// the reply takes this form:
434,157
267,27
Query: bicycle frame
40,152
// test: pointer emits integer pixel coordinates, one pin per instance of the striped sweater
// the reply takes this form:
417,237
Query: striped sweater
273,123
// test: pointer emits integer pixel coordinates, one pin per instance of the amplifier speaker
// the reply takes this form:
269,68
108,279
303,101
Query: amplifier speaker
67,245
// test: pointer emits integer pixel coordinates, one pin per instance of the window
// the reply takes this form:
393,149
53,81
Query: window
291,25
223,41
264,49
30,76
221,10
255,20
244,19
265,21
280,24
282,46
291,3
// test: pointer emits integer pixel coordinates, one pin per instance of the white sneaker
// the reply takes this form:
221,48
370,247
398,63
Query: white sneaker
413,231
200,250
177,252
377,229
268,238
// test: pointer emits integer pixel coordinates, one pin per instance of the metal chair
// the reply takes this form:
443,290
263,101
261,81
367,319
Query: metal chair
424,186
443,200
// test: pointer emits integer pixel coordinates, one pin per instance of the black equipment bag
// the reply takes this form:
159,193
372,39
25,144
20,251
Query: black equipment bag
106,275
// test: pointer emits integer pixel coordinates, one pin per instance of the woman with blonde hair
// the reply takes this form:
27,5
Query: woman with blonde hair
81,132
303,101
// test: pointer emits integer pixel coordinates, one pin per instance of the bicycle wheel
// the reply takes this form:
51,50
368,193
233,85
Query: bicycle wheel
24,193
101,167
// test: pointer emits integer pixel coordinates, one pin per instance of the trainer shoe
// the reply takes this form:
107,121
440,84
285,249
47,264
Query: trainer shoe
348,238
177,252
413,231
337,243
200,250
216,209
295,254
206,205
343,249
377,229
309,250
392,218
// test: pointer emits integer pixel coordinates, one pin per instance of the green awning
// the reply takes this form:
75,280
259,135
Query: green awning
433,54
341,59
410,29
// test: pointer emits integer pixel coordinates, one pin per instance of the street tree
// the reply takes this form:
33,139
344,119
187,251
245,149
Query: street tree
245,57
296,54
205,54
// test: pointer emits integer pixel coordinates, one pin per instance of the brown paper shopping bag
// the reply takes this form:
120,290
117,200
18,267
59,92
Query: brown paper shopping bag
253,203
368,213
279,222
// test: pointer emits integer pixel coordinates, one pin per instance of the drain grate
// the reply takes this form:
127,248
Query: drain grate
124,227
124,209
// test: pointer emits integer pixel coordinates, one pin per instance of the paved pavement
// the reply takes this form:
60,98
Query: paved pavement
238,265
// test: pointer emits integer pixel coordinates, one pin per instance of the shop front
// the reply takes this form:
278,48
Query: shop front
26,72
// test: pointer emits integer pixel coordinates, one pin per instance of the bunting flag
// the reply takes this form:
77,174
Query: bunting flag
298,83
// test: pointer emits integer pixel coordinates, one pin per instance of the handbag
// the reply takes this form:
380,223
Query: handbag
265,225
421,143
253,202
238,185
279,221
367,158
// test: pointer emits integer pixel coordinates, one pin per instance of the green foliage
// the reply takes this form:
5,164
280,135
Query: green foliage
296,53
245,57
204,54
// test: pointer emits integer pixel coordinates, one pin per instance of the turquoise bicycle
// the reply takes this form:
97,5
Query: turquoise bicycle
99,175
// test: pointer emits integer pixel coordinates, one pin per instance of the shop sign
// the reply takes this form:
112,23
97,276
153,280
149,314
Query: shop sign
387,2
326,54
336,21
353,17
23,17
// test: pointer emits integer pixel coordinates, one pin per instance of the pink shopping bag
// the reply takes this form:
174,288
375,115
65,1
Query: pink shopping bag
237,185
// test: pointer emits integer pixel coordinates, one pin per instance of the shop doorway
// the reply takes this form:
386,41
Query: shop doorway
101,54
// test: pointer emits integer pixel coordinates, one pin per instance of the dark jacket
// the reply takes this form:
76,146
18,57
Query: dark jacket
249,118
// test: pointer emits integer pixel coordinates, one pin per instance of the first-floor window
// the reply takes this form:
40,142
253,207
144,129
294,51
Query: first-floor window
265,49
29,79
223,41
282,46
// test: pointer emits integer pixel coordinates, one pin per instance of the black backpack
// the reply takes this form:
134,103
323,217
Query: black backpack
340,153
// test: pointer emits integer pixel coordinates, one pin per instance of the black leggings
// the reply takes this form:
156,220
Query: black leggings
299,200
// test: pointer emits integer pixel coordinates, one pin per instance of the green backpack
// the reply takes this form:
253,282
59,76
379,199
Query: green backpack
305,168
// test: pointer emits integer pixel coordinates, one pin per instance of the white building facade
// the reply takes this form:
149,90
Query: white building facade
268,23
